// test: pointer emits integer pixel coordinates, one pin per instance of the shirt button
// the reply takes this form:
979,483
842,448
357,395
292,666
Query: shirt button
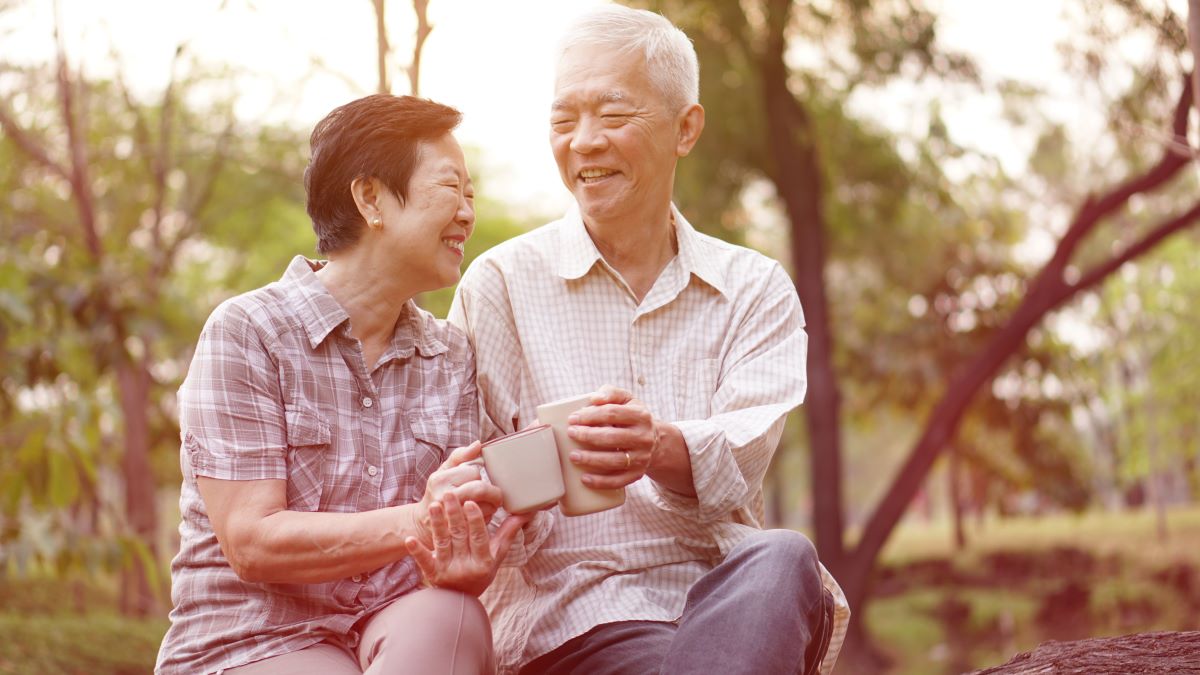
367,402
371,470
641,379
356,578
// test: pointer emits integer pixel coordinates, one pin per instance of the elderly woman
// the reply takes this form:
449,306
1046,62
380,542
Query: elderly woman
318,419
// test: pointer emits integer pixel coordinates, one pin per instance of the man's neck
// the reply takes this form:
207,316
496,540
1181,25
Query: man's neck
638,251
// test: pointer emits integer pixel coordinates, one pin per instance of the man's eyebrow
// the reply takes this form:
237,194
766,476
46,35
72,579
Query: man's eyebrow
610,96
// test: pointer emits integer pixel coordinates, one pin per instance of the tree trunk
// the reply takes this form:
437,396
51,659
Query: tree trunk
797,177
137,597
954,493
381,48
1173,653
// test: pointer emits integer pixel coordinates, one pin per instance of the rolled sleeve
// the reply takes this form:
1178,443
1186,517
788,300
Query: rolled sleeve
232,417
762,378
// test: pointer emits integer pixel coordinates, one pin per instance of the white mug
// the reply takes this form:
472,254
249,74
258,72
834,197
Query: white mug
578,499
525,467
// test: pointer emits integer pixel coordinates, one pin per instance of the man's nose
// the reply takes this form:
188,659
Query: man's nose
589,136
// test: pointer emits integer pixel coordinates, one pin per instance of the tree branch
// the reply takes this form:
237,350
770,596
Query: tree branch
423,30
381,41
1092,211
27,145
80,183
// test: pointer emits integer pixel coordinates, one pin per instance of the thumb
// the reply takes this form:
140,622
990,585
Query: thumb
507,533
424,557
463,455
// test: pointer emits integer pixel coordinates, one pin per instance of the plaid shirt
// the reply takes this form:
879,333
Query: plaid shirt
717,347
278,389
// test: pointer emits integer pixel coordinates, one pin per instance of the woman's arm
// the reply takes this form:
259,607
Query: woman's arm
264,542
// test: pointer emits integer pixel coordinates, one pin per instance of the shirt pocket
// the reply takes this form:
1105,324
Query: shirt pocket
695,385
431,429
308,437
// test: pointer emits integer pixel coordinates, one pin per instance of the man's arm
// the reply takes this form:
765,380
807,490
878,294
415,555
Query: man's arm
711,466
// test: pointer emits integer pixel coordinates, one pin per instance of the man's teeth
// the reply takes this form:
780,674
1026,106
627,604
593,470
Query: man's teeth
595,173
454,244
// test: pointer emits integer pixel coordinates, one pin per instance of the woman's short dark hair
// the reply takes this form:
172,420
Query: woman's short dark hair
377,136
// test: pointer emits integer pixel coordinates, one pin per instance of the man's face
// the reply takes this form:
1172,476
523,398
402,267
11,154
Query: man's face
614,138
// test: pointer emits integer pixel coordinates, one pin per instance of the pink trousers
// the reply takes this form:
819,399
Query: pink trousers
431,631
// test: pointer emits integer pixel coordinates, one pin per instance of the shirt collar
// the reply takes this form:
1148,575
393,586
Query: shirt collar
320,314
692,260
578,253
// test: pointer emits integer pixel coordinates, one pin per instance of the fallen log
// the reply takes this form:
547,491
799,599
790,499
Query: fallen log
1176,653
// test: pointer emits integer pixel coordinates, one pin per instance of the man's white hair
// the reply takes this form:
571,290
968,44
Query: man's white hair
669,55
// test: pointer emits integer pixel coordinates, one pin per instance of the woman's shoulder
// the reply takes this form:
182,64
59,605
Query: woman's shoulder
262,311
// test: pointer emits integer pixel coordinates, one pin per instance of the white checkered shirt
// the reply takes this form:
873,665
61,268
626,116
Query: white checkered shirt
717,347
278,389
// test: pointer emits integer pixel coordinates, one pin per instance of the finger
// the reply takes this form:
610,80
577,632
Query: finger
611,394
423,557
609,461
463,454
611,438
442,544
488,496
477,533
450,477
455,519
611,481
503,539
611,415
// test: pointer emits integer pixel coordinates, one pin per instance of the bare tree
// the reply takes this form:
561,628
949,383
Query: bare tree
169,215
420,7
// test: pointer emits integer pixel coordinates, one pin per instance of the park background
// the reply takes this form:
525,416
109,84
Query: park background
988,209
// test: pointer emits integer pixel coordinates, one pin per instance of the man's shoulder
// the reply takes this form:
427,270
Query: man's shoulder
735,263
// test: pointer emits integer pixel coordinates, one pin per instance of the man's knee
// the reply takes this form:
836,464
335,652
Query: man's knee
786,554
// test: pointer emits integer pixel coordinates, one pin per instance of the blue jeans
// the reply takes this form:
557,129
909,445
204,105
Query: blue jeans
763,610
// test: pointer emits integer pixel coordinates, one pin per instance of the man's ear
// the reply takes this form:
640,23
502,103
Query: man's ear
366,193
691,123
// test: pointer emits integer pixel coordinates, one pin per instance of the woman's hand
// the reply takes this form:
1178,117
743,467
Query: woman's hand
463,557
460,476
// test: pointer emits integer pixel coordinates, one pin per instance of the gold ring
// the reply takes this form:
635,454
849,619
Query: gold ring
628,462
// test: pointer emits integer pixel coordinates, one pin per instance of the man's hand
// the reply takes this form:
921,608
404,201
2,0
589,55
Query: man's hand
462,557
619,438
622,442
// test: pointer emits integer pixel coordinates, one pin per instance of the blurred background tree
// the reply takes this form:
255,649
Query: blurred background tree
1032,328
877,222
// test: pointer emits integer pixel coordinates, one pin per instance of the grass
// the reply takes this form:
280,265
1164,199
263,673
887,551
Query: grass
70,627
1127,534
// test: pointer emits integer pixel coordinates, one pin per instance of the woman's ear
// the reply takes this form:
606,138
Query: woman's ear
691,123
366,193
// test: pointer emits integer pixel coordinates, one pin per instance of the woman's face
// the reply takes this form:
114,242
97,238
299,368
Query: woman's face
425,236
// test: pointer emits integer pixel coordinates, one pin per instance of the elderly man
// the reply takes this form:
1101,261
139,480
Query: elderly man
696,348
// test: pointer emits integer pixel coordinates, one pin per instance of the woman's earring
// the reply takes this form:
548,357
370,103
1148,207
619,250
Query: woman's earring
376,222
